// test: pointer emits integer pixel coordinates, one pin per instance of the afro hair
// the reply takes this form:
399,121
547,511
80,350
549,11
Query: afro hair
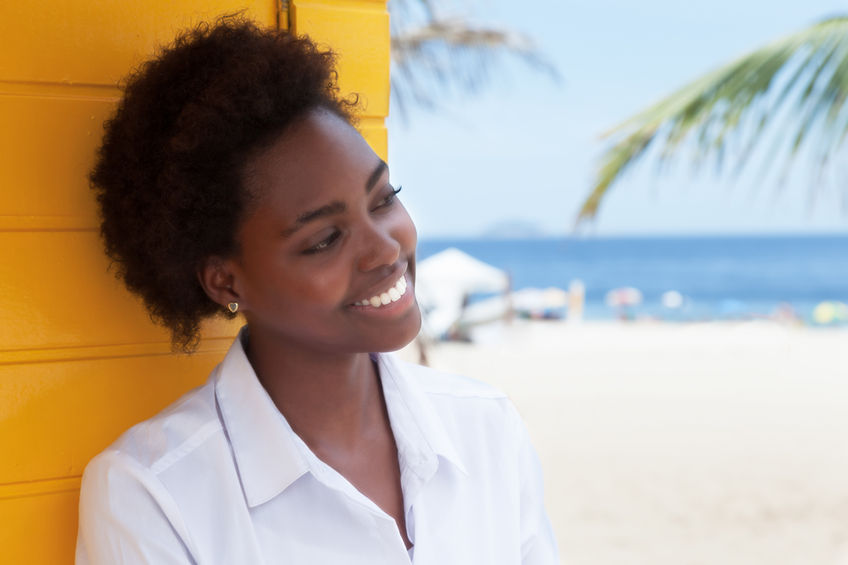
168,178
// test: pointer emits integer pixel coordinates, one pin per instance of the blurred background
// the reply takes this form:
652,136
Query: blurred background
633,217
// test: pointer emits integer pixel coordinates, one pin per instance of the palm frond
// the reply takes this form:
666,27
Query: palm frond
442,56
801,80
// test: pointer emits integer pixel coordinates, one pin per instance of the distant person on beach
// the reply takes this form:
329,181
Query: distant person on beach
232,181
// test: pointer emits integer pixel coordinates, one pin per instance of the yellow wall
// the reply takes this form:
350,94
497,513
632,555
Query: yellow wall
79,360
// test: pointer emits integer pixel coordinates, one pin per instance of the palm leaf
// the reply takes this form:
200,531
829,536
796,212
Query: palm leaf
798,83
434,56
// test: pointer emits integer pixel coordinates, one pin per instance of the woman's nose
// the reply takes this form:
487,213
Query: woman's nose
379,248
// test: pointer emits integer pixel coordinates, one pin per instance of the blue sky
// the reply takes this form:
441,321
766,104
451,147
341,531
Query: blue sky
526,149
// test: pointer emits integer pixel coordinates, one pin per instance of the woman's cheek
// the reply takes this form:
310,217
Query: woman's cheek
324,285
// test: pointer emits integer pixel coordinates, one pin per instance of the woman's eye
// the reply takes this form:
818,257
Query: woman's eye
389,199
323,245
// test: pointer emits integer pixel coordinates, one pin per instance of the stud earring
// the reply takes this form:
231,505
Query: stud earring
232,307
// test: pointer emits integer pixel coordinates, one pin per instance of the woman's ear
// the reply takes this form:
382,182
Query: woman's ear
217,278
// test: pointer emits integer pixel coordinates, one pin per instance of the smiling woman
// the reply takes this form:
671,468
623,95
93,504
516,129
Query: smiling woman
231,180
324,231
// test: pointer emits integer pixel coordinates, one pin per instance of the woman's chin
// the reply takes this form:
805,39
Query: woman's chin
407,334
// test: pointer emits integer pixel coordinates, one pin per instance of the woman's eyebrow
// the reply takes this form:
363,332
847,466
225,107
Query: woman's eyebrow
375,175
335,207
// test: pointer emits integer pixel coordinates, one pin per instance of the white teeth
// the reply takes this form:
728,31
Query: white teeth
387,297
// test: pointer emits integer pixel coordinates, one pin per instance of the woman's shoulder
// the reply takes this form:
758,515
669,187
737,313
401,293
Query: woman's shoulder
461,402
173,433
469,418
141,494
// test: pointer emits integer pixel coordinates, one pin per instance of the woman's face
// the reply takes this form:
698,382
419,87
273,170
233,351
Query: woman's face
325,236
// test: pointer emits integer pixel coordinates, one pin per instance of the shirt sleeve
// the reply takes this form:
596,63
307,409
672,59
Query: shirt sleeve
126,516
538,544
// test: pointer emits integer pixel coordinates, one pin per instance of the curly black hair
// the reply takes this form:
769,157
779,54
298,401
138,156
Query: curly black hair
169,173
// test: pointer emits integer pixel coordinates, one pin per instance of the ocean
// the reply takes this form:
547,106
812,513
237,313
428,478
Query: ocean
719,277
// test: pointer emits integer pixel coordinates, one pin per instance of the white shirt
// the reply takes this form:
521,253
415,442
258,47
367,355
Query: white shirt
219,477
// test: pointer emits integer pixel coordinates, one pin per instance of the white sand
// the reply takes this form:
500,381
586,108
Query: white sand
680,444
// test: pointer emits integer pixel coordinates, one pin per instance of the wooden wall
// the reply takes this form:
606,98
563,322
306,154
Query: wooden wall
79,359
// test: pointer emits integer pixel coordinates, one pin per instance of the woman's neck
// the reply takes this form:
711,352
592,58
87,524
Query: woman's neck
332,401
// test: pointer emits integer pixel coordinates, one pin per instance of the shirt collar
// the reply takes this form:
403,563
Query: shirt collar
262,441
419,432
265,447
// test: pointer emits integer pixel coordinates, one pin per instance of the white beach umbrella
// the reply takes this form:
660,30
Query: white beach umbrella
444,280
458,269
672,299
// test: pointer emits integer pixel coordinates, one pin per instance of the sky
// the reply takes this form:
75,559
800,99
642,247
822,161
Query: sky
525,150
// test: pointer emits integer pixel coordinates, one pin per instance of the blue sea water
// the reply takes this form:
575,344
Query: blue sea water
720,277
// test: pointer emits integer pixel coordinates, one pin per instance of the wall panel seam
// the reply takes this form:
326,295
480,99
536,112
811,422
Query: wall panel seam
89,352
39,487
60,90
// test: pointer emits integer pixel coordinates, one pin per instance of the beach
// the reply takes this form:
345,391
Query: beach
661,443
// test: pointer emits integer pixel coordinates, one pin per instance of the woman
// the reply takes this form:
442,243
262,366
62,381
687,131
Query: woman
231,180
